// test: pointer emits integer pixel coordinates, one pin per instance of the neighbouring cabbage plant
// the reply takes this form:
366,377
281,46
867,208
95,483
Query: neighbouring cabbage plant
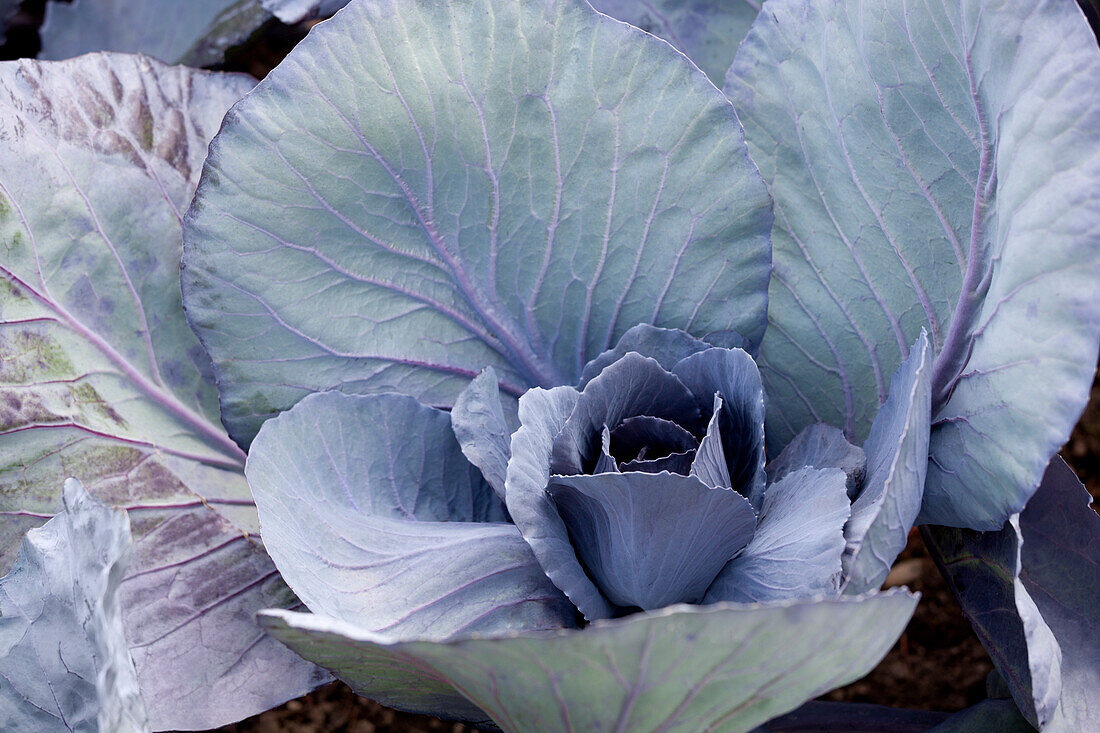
484,286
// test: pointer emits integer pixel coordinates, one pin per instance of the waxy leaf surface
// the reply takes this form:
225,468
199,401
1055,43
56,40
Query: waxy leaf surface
897,463
64,661
374,516
192,32
799,540
934,165
422,189
684,668
101,379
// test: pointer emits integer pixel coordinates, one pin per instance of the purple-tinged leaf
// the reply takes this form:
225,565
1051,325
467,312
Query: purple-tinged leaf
1030,591
709,464
633,386
707,31
897,462
606,463
64,661
101,378
645,437
1061,572
665,345
683,668
542,413
193,32
482,429
673,463
649,540
732,374
821,446
374,516
799,540
935,165
422,189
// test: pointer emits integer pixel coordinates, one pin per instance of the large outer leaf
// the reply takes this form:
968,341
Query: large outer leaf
1030,590
101,379
934,165
425,188
707,31
374,516
64,661
684,668
193,32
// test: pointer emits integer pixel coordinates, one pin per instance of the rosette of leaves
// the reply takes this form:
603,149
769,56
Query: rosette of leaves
453,567
485,184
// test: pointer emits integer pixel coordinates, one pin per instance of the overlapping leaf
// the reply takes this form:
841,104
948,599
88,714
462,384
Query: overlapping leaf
934,166
423,189
374,516
707,31
897,460
684,668
64,661
101,379
194,32
1030,590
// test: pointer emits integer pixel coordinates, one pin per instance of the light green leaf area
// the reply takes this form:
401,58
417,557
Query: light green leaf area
423,189
192,32
101,379
935,165
725,667
707,31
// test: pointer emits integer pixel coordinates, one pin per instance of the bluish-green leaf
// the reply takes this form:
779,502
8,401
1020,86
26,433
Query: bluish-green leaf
101,378
666,345
374,516
732,374
798,543
707,31
64,661
422,189
482,428
192,32
821,446
935,165
897,460
649,540
684,668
